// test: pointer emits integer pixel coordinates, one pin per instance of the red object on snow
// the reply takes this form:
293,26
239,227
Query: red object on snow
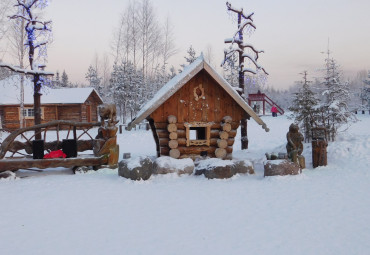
56,154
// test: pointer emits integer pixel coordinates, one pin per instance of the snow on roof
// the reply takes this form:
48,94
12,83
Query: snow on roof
180,80
10,93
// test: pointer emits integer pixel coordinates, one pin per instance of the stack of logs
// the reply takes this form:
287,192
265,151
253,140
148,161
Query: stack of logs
173,142
224,136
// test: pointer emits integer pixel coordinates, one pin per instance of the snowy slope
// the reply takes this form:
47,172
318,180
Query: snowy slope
321,211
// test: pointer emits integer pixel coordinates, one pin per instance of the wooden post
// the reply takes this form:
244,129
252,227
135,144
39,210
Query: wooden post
37,105
319,154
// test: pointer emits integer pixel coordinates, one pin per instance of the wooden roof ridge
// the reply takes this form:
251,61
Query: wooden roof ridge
177,82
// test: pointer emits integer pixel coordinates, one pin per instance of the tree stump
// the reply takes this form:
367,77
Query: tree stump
172,119
221,143
171,127
220,153
227,119
224,135
174,153
173,144
173,135
226,127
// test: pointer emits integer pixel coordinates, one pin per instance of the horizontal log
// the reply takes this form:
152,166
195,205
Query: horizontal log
194,150
22,163
163,133
216,125
182,141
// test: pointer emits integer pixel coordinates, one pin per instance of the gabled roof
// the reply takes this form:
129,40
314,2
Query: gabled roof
10,93
180,80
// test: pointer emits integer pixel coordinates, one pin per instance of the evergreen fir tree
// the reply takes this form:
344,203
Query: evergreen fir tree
94,80
365,93
303,107
190,58
335,107
65,82
57,80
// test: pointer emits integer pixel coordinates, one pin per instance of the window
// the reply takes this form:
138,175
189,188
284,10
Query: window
29,113
198,133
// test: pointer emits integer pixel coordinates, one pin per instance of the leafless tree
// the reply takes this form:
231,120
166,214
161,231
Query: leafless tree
16,39
209,54
105,70
150,36
37,37
4,9
169,48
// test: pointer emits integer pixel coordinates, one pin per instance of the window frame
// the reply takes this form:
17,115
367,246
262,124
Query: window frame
192,142
30,117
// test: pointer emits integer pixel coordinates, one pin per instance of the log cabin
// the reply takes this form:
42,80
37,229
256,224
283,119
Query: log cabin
196,113
75,104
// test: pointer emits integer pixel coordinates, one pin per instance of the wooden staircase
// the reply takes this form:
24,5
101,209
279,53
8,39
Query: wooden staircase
262,97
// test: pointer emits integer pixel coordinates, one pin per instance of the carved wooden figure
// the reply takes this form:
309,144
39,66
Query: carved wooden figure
294,146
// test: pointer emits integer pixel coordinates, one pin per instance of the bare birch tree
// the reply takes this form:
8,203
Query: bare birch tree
169,49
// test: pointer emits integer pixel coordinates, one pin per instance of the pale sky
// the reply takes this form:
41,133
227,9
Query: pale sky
292,33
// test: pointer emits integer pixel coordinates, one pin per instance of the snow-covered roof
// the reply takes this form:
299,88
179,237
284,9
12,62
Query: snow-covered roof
10,93
180,80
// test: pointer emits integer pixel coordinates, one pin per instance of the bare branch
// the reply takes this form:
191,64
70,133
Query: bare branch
253,49
239,11
25,71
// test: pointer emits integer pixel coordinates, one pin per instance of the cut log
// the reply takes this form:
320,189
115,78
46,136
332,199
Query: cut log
226,127
172,119
222,143
224,135
173,144
227,119
173,135
172,128
220,153
174,153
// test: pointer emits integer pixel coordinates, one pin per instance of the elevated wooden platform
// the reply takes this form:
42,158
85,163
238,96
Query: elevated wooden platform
262,97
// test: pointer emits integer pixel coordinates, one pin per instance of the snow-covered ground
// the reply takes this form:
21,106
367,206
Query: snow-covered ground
322,211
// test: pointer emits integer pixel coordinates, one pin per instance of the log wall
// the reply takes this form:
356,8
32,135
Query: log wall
192,151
